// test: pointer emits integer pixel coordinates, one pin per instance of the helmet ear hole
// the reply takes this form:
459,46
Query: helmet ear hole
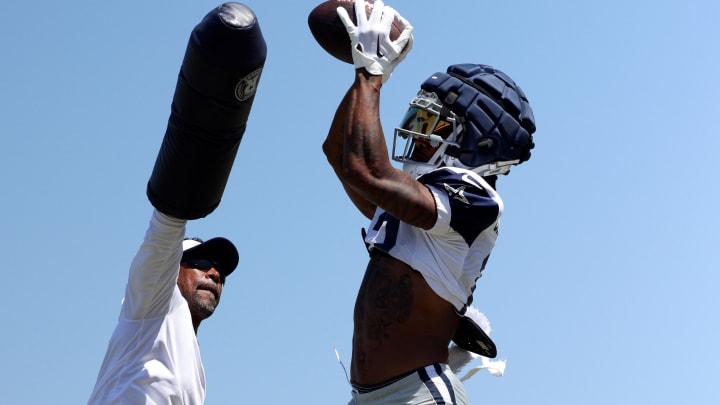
453,151
485,143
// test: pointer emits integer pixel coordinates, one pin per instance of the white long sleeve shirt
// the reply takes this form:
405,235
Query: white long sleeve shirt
153,355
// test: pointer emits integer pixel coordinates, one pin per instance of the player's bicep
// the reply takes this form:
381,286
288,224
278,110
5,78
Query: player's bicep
406,199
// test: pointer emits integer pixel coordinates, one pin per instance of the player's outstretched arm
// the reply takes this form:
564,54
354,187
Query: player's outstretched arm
333,148
366,167
355,146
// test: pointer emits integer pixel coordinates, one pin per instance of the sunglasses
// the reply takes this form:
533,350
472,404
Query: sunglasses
204,265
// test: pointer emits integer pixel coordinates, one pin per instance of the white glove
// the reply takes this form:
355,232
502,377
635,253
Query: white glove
372,48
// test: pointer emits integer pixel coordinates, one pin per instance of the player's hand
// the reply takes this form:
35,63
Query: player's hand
372,48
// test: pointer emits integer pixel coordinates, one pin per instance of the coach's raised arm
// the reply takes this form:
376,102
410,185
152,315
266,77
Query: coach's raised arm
175,282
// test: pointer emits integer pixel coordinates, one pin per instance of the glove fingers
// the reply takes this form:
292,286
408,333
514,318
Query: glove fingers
360,14
372,47
405,39
407,27
406,47
345,18
386,20
377,11
383,27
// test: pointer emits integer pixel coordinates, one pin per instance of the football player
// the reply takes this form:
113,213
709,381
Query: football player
434,223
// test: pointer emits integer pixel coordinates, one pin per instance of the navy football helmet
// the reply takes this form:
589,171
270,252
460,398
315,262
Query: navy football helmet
473,116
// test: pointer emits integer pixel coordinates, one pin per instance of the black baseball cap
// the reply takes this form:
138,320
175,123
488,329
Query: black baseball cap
219,250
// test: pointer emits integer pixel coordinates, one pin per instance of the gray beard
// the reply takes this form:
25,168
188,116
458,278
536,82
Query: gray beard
202,305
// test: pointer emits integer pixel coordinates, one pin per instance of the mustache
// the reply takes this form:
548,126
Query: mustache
209,286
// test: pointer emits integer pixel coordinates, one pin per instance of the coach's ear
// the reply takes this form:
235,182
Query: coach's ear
215,90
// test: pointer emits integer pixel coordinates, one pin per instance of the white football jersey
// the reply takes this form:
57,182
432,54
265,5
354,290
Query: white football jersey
452,254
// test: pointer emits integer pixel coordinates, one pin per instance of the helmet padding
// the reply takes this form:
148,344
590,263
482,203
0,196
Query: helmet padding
493,109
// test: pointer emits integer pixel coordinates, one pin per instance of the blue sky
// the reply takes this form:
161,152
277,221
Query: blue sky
602,287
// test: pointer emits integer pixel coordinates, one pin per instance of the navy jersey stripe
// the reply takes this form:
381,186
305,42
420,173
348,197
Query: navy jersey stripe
435,390
425,378
447,382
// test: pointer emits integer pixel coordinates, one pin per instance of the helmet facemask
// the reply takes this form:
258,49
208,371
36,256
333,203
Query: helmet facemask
427,125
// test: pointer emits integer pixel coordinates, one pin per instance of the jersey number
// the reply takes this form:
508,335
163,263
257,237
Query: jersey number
391,225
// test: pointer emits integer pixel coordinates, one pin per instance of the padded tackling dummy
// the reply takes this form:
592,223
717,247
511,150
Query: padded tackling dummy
215,90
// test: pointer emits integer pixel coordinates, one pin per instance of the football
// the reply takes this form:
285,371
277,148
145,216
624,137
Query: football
329,31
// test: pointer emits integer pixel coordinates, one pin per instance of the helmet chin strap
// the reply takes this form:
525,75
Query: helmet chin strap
495,168
417,169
